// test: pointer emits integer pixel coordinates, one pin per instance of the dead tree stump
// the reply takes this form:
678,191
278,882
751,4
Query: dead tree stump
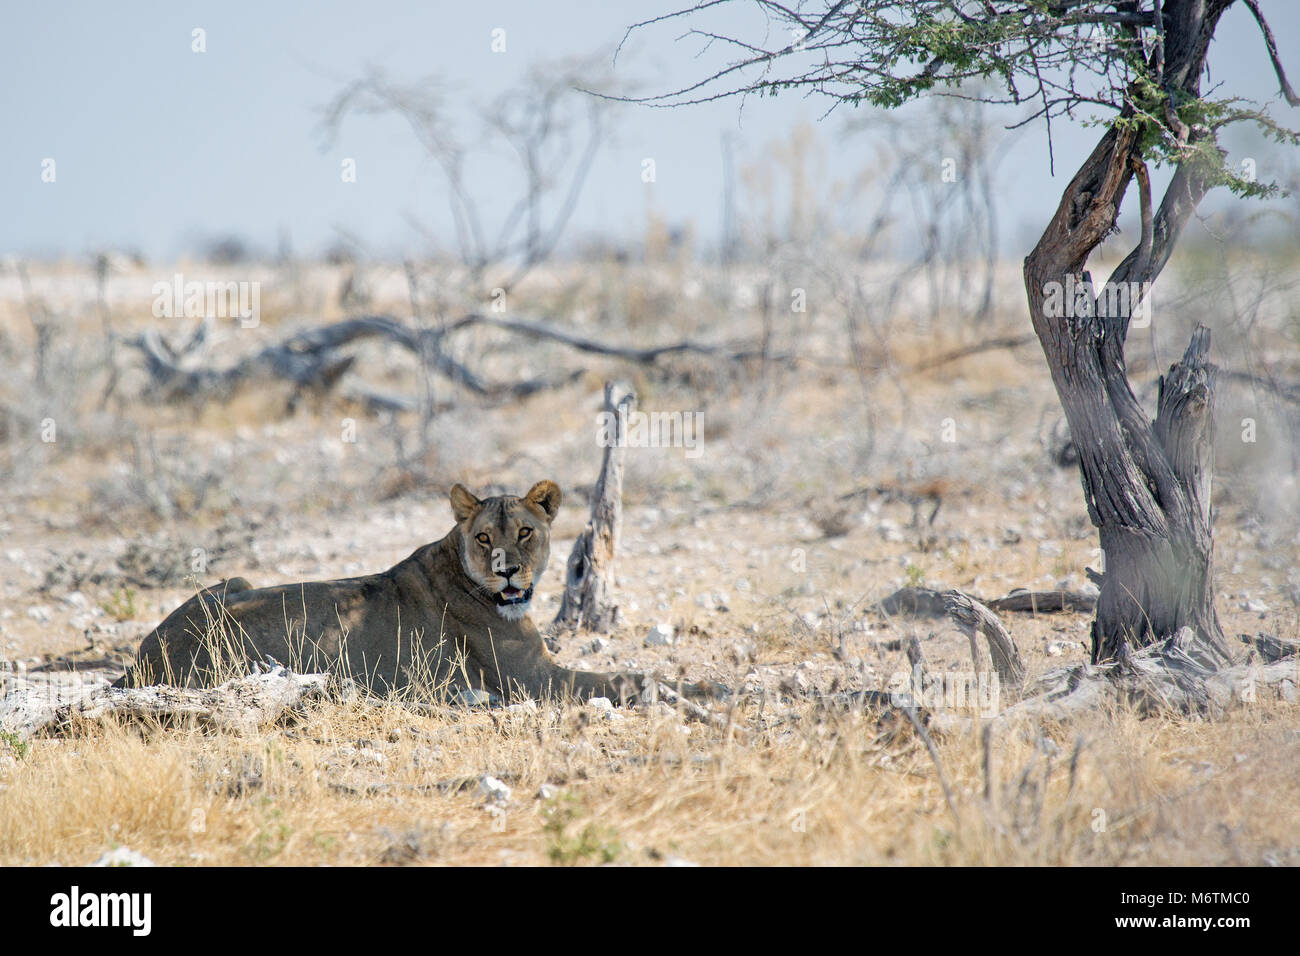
588,603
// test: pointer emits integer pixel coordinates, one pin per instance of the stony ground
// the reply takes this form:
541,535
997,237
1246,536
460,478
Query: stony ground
751,555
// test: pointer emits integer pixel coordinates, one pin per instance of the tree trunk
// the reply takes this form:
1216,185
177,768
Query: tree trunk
1146,484
1153,586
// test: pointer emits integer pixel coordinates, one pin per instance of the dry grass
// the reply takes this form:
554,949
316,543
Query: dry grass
353,784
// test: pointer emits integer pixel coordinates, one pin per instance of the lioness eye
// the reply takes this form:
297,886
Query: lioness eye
524,532
482,538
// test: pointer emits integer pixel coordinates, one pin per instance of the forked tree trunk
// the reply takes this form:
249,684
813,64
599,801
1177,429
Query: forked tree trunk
1146,483
588,601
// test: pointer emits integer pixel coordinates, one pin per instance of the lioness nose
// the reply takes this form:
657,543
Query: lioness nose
507,573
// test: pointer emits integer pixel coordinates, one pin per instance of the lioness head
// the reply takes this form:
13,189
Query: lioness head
505,542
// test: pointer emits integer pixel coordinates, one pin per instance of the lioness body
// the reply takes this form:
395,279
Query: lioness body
452,616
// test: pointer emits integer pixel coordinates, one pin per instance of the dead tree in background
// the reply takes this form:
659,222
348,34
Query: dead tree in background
954,229
1146,483
544,130
588,602
548,130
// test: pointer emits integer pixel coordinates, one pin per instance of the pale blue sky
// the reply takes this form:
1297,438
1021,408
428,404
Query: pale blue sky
157,147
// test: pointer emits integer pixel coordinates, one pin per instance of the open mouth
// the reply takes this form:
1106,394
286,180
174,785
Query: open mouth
511,595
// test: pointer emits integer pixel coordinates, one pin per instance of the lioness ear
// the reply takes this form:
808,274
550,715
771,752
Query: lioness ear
546,495
463,504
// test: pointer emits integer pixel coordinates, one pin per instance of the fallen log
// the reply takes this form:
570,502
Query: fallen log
1271,648
307,361
1044,602
929,602
646,355
56,703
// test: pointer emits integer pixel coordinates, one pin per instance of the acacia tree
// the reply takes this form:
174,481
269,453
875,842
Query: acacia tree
1135,67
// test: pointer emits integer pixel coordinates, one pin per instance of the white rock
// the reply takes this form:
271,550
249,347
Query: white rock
123,856
603,708
661,635
742,652
469,697
39,612
663,711
597,646
547,792
493,790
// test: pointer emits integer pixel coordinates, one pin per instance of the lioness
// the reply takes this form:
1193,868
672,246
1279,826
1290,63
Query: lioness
451,617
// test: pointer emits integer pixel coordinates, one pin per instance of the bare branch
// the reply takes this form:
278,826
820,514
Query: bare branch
1271,44
1144,199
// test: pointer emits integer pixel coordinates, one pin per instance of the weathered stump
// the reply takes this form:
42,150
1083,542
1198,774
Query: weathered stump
588,602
